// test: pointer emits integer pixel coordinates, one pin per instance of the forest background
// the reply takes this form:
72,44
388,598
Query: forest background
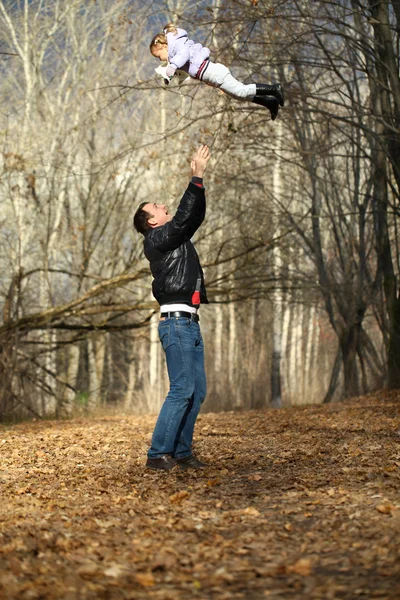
300,245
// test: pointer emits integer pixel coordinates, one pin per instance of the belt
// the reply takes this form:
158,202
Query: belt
202,69
178,313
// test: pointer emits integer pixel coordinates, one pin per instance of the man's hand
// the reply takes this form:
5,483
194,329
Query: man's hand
200,160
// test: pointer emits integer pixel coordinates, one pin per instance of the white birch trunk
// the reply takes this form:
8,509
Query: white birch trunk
276,389
137,398
314,381
133,375
68,395
232,344
154,347
285,373
96,352
300,396
308,355
109,361
130,390
155,358
218,349
292,353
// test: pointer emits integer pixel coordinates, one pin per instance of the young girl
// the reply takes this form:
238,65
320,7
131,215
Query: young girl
174,46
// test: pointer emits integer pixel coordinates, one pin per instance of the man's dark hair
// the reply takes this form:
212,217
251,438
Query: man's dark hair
141,219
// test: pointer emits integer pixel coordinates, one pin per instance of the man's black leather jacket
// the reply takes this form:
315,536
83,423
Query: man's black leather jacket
174,262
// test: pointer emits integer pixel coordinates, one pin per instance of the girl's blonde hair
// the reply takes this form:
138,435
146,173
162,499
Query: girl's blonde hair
161,38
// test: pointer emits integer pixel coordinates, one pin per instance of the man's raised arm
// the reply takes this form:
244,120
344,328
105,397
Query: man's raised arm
191,210
199,161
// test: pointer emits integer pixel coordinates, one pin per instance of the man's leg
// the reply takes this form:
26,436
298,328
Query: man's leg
183,442
178,338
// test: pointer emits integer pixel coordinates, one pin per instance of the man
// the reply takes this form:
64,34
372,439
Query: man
178,287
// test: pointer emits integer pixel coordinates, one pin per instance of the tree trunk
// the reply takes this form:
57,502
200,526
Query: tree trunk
394,346
388,78
96,353
278,300
7,366
349,341
66,395
334,377
309,353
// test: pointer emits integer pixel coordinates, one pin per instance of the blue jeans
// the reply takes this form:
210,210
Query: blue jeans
184,350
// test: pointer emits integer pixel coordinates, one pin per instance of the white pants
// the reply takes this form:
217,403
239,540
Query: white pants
219,76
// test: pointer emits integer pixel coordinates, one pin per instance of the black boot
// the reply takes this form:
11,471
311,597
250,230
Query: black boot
269,102
276,90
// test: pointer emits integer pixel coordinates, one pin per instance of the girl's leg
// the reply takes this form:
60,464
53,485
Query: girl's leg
219,76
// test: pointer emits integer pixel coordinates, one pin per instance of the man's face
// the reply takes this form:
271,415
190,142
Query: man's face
159,214
161,51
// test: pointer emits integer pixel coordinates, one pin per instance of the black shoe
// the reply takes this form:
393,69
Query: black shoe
190,462
276,90
165,462
269,102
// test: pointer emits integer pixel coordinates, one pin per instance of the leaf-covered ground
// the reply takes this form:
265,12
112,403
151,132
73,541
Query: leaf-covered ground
299,503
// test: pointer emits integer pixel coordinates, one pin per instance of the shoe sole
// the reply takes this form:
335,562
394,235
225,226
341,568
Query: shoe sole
188,467
160,468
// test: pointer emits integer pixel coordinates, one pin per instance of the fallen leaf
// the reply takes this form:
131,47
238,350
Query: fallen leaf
145,579
255,477
212,482
385,509
113,571
178,496
88,568
301,567
250,510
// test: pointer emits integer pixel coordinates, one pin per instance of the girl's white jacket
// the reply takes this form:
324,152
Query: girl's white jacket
185,54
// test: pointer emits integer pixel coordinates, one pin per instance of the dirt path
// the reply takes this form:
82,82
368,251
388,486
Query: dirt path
302,503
